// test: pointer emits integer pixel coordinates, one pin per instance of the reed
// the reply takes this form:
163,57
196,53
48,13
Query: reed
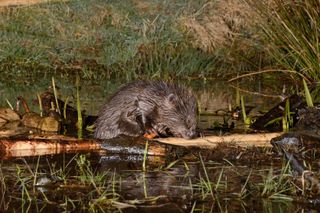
309,98
291,30
79,113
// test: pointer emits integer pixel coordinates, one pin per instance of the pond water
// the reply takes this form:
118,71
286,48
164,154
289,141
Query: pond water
63,183
212,96
228,179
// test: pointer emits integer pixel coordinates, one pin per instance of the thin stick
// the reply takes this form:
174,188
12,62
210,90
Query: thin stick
256,93
10,105
266,71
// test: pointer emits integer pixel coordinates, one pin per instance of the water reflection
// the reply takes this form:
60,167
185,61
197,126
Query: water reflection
212,96
180,188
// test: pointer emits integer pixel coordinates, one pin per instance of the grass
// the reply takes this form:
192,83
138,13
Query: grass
22,182
278,186
126,39
155,39
246,119
59,36
309,98
287,118
291,30
79,123
205,183
244,190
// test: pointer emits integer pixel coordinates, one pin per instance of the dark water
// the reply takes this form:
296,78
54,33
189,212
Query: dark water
175,189
212,95
99,181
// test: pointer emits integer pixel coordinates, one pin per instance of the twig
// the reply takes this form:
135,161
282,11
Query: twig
266,71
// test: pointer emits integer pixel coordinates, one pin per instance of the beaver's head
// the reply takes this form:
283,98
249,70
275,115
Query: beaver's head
179,113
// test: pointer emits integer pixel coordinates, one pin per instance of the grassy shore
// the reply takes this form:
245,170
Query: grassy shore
130,39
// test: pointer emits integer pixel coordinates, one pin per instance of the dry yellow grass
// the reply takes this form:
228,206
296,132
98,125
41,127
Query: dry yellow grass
218,23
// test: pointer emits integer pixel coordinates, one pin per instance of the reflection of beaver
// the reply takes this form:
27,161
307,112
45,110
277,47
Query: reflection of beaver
145,107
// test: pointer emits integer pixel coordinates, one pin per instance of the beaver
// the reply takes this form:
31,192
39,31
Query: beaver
141,107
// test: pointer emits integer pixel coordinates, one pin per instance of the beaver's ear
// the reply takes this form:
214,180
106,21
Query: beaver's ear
172,98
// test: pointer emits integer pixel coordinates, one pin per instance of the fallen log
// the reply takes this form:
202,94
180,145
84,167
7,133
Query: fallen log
36,145
211,142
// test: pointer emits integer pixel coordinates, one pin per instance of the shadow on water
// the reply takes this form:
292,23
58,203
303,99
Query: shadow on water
227,179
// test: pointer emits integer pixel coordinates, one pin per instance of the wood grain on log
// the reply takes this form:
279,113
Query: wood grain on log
54,144
211,142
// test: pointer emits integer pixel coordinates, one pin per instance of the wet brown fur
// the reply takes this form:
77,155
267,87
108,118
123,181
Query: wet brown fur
142,106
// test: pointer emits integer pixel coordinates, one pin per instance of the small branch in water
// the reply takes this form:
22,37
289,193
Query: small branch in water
256,93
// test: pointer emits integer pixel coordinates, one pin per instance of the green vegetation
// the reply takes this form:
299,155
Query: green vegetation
160,39
278,186
79,183
205,183
125,39
246,119
291,30
309,99
128,39
287,119
79,114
